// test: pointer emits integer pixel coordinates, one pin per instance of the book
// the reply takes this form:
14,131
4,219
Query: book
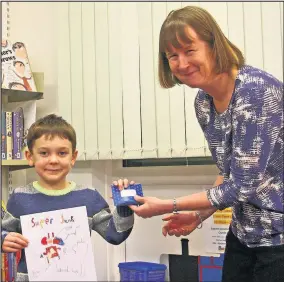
29,115
9,143
16,70
18,132
3,134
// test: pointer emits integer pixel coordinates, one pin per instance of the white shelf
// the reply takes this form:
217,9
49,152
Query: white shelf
14,162
13,165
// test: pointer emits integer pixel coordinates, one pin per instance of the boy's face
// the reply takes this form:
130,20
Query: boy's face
52,159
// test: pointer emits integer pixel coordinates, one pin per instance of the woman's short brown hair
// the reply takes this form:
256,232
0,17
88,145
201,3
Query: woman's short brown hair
226,53
51,126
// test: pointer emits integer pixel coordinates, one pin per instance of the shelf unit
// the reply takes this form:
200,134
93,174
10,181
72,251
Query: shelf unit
9,96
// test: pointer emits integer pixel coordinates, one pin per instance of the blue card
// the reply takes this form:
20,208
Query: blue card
125,197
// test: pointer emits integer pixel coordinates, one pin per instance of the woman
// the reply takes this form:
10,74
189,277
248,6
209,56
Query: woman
240,110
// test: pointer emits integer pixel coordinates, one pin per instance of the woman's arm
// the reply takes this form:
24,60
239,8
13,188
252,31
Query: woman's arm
153,206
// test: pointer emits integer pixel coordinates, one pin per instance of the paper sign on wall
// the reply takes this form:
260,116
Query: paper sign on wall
219,225
60,246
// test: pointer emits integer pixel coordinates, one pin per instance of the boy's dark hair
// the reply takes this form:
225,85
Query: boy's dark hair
51,126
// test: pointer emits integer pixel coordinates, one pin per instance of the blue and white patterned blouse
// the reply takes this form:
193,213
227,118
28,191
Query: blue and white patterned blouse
246,142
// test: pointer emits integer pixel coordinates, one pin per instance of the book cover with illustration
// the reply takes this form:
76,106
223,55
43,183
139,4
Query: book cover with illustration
16,69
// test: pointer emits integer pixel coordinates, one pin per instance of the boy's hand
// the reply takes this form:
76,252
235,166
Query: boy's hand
122,183
14,242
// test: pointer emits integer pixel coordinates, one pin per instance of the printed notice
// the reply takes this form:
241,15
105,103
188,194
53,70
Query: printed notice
218,228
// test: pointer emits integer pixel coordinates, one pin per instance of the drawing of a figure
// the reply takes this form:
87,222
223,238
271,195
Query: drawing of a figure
51,251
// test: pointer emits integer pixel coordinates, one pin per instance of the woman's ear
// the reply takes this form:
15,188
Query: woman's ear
29,157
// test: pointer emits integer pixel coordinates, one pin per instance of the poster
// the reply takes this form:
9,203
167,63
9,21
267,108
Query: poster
218,228
60,246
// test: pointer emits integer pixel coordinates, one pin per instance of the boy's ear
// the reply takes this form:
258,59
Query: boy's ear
29,157
74,157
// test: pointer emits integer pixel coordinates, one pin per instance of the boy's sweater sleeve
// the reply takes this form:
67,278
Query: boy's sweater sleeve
10,223
114,227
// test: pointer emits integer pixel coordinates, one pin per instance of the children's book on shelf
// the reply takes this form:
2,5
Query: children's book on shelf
3,134
13,139
21,116
9,261
16,69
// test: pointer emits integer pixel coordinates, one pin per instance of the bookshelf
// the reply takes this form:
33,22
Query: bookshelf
17,96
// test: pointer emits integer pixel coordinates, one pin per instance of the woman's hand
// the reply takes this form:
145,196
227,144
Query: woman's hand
180,224
122,183
14,242
150,206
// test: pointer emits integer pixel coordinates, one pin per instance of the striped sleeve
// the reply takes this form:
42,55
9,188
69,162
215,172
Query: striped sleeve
10,223
115,226
257,127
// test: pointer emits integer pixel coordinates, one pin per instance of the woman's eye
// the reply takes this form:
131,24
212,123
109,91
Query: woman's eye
172,57
189,51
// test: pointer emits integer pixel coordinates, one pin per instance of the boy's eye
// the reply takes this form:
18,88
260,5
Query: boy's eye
62,153
43,153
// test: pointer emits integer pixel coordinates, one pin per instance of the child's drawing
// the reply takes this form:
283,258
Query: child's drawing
59,246
51,250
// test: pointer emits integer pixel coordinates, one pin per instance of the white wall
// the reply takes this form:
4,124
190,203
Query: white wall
35,23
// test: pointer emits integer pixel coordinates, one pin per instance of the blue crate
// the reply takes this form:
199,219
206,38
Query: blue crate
142,271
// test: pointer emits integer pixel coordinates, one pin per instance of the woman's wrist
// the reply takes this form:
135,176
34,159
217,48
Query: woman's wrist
167,206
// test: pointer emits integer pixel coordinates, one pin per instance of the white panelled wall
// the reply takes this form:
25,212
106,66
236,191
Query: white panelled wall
108,74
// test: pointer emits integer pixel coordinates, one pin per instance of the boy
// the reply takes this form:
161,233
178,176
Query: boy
52,151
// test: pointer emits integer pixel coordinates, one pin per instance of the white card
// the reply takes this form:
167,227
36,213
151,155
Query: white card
128,192
60,246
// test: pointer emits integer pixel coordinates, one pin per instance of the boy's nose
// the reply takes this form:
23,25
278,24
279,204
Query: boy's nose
53,158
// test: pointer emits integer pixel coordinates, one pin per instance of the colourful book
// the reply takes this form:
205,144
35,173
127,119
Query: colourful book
9,142
11,266
18,131
6,266
2,266
16,70
3,133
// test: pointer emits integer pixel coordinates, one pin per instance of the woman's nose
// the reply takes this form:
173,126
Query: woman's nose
183,63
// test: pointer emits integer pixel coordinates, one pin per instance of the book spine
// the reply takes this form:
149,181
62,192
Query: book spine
6,265
17,138
3,266
3,133
9,135
10,266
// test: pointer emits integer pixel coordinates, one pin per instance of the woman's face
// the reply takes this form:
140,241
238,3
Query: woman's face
193,63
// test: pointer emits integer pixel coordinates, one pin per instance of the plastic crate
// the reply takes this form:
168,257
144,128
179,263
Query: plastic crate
142,271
